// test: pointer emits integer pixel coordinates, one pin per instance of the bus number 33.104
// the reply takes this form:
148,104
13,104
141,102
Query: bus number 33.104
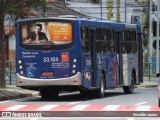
50,59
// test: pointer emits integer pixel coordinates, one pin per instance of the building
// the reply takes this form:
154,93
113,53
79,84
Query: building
130,11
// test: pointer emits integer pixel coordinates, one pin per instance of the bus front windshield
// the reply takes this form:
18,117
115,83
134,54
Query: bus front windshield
46,33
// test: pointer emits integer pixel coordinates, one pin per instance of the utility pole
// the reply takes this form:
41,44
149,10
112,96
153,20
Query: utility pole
2,44
125,7
150,33
101,9
157,43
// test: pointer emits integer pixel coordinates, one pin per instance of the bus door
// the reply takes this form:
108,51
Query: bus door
119,51
93,57
89,59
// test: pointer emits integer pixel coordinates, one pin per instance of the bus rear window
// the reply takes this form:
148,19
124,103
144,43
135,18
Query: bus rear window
46,33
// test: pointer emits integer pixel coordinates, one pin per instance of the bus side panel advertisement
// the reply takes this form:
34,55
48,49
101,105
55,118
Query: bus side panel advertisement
87,71
111,70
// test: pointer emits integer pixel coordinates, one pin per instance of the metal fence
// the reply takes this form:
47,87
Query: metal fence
149,72
10,72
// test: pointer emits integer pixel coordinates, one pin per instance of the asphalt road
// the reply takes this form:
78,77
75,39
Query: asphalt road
141,96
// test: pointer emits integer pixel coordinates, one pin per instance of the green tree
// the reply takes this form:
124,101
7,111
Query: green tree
17,8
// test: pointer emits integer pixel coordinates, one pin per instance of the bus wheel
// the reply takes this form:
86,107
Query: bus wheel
101,90
48,93
129,89
83,92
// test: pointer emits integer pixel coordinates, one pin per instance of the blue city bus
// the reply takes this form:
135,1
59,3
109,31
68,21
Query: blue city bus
70,54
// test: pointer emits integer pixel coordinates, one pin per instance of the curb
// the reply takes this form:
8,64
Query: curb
149,85
3,98
15,93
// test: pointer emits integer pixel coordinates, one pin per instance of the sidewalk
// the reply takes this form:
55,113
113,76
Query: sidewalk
146,83
13,92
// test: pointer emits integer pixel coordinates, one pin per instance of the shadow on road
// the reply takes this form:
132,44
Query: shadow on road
76,96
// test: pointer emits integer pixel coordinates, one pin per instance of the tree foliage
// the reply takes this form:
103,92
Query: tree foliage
17,8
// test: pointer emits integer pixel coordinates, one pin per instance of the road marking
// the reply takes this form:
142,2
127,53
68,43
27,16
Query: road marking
4,102
72,103
111,107
68,93
142,108
75,107
33,118
15,107
130,119
141,103
79,107
47,107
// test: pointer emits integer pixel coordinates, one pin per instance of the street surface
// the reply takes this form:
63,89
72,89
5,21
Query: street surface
142,103
141,96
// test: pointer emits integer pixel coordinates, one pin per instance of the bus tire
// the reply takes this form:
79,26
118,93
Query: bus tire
101,90
83,92
129,89
48,93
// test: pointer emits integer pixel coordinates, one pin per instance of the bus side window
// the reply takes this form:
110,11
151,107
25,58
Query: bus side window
85,39
127,42
111,40
133,44
99,38
105,40
124,43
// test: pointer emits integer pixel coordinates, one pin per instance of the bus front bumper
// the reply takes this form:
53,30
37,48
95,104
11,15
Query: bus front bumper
74,81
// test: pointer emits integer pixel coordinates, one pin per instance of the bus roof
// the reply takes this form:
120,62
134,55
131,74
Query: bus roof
87,21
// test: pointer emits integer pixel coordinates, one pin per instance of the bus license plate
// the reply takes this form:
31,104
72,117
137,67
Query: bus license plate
47,73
